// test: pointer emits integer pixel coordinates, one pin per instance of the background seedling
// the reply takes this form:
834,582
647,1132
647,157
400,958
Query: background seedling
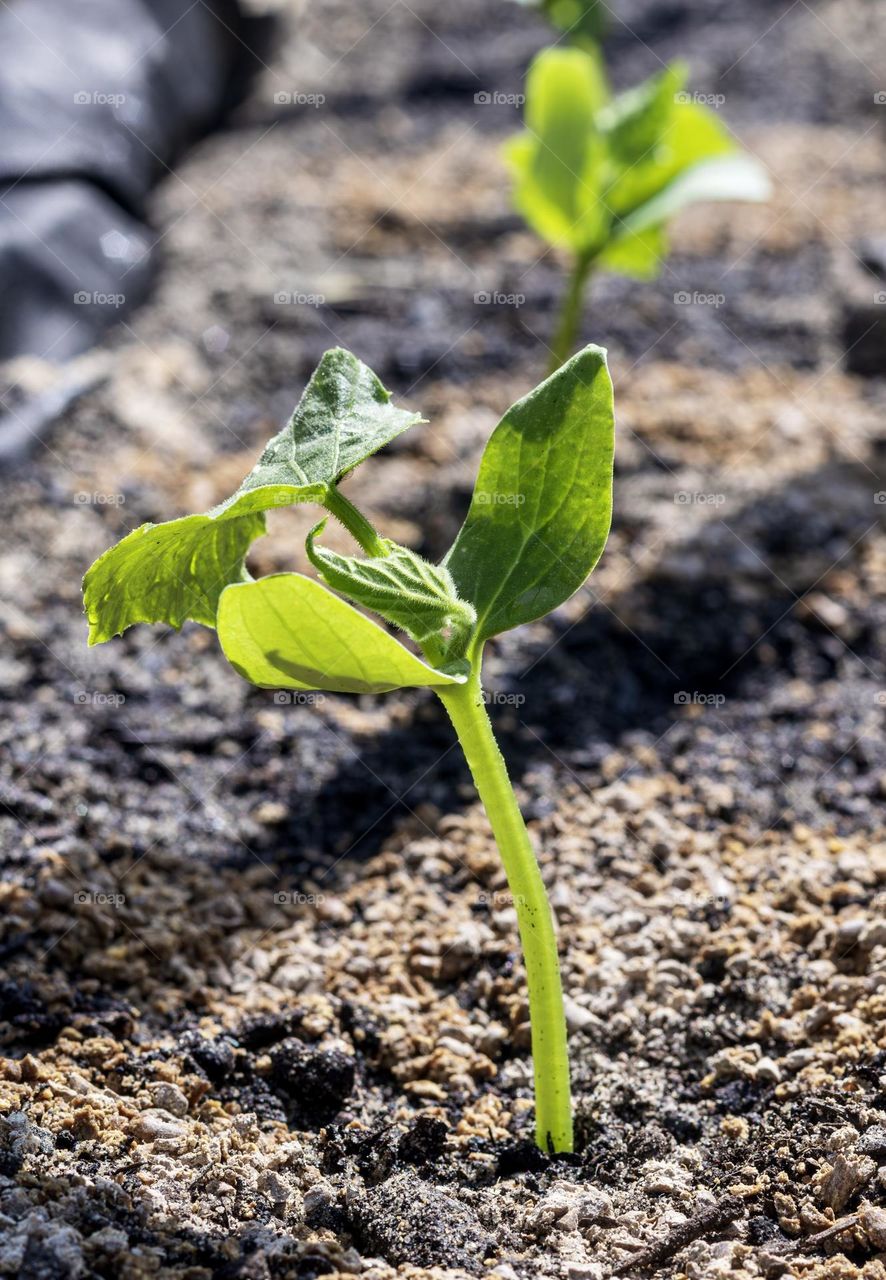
538,520
600,176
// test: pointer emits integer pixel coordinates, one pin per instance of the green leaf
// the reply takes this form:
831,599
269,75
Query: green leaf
344,416
689,135
635,121
559,163
290,632
177,570
542,504
736,177
404,589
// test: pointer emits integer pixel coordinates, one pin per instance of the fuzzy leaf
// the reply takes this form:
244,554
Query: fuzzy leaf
404,589
290,632
344,416
542,504
177,570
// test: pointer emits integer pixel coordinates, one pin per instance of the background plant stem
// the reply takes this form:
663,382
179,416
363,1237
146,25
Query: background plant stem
565,335
553,1103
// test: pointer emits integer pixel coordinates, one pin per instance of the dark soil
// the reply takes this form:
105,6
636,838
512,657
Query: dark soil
262,1000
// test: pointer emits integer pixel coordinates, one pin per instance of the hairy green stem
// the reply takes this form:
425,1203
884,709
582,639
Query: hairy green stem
565,335
354,521
553,1106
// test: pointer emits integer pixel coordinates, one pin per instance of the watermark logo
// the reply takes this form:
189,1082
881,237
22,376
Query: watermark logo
880,498
499,900
84,697
686,498
85,499
492,98
86,298
493,698
297,698
693,698
702,901
880,98
283,500
89,98
292,898
683,298
880,298
715,100
880,697
100,899
283,298
285,98
492,298
485,498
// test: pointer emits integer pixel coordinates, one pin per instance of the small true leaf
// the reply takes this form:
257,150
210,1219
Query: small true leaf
542,504
177,570
290,632
344,416
404,589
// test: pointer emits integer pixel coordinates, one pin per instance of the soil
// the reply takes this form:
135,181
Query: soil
263,1002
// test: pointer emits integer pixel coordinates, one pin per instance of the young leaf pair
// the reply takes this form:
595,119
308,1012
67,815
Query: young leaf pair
537,523
536,526
600,176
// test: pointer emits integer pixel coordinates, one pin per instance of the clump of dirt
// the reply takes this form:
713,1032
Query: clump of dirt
263,1008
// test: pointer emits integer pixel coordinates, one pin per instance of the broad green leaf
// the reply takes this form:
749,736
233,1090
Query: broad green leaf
290,632
177,570
558,164
542,504
404,589
690,135
737,177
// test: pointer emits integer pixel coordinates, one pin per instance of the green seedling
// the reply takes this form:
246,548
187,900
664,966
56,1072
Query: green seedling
538,520
599,177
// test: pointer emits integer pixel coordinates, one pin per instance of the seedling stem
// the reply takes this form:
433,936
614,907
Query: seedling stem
355,522
466,708
570,312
